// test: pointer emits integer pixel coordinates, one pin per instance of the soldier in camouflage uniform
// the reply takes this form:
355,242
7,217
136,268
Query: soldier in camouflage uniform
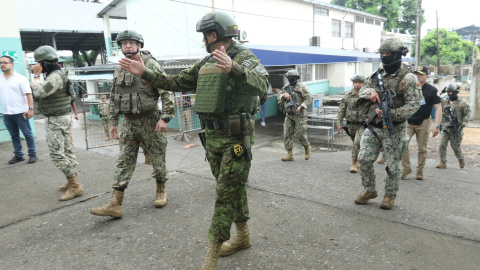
456,114
295,114
227,82
103,109
355,112
144,125
54,96
402,83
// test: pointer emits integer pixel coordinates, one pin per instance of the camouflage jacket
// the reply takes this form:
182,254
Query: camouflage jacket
347,104
302,94
460,109
168,104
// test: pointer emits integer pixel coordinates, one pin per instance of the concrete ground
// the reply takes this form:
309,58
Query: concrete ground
302,213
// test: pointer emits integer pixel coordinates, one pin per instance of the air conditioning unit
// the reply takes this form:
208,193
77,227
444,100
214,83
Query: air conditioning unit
367,50
243,35
316,41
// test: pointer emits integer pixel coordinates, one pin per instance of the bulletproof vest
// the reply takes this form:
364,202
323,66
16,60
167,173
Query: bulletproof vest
57,103
356,112
455,109
103,108
215,96
132,96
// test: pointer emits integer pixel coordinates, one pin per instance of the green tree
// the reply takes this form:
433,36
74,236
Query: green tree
408,17
453,50
385,8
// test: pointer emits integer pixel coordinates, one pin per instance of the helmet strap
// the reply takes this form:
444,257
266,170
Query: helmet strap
208,46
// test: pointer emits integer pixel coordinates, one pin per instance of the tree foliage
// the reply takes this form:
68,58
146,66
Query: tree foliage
453,50
408,17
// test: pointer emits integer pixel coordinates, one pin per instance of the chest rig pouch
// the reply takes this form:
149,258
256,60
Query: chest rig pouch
211,92
134,96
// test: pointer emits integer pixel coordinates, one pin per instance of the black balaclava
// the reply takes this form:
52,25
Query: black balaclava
50,65
453,96
292,80
392,62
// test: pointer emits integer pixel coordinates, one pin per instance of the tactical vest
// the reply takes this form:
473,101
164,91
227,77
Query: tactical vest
57,103
455,106
103,109
215,98
132,97
355,113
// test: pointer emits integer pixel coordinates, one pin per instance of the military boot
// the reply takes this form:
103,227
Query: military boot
441,166
240,241
107,138
365,196
64,187
461,162
307,152
113,208
354,166
419,175
381,160
147,159
406,171
74,189
161,199
211,260
289,156
387,203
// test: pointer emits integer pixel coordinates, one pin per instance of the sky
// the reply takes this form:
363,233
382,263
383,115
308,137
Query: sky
451,14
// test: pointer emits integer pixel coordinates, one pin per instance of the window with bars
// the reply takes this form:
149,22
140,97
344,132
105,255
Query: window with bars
368,21
320,72
377,22
305,72
336,28
321,11
348,30
359,19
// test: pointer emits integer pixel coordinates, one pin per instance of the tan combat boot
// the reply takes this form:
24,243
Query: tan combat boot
211,260
147,159
419,175
387,203
354,166
406,171
161,199
307,152
74,189
289,156
441,166
381,160
64,187
461,162
240,241
365,196
113,208
107,138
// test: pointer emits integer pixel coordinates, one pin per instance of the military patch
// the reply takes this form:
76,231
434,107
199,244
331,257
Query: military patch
237,151
48,87
246,63
260,69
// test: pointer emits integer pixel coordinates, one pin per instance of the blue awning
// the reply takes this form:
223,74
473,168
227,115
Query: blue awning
274,55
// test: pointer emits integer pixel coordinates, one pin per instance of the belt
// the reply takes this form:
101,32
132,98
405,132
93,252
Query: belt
380,124
138,115
216,124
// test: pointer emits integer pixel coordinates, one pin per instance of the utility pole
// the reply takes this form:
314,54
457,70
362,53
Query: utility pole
419,28
473,50
438,50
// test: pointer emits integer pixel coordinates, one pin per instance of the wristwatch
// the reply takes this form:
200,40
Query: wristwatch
30,108
437,126
36,76
166,119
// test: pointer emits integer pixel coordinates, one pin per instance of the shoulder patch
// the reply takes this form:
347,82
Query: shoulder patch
237,151
260,69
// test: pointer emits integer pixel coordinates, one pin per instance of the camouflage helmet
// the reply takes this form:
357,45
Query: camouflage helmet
45,52
392,45
130,34
220,21
453,87
292,73
358,77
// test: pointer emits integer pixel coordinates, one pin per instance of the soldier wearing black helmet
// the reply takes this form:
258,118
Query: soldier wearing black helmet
227,82
456,114
402,84
54,98
144,125
355,113
294,98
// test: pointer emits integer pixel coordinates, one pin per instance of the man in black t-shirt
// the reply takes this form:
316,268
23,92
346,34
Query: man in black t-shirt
419,123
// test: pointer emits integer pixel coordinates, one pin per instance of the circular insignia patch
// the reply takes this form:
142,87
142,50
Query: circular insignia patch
260,69
238,149
207,17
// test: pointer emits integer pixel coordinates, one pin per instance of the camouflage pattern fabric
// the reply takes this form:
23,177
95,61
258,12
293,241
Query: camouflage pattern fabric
52,84
356,133
371,144
293,122
154,143
461,110
103,109
445,137
59,140
248,77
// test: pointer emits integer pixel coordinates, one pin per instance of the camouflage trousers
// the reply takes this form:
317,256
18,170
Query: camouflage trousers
231,174
292,124
445,137
59,140
132,134
356,133
105,125
370,147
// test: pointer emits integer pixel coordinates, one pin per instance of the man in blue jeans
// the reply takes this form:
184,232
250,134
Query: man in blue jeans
17,105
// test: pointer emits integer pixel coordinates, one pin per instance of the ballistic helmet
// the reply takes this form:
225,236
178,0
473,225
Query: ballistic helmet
393,45
220,21
453,87
358,77
292,73
45,52
130,34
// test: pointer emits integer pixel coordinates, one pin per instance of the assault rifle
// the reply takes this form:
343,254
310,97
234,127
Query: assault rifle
293,100
452,121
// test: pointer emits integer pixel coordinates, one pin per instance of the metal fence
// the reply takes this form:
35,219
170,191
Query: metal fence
95,131
187,120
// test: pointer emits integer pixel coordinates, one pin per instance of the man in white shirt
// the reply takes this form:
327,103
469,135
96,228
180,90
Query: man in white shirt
17,105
